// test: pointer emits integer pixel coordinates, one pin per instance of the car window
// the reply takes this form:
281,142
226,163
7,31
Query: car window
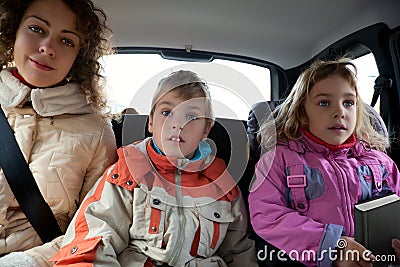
367,71
234,86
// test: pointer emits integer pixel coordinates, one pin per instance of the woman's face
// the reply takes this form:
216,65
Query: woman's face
47,43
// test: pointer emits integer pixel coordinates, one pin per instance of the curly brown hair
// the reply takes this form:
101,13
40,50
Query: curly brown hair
95,43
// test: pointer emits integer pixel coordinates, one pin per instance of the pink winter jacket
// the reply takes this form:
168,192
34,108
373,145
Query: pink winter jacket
325,184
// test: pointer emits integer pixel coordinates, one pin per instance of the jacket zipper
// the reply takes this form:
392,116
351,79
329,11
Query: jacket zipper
344,185
182,220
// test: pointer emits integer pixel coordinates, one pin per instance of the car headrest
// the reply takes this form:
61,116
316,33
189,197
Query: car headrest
227,138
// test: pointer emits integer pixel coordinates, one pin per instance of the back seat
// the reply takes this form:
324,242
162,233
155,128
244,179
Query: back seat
234,141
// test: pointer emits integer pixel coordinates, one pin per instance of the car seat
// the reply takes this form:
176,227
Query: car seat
227,138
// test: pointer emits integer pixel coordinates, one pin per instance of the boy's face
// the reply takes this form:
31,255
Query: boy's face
331,110
179,125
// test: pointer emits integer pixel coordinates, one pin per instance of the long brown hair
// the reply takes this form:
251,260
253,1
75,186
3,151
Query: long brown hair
290,117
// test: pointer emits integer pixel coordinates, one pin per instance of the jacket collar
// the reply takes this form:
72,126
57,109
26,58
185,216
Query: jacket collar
347,144
64,99
305,144
140,154
208,176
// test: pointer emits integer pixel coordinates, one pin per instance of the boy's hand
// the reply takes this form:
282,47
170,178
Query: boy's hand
365,258
396,247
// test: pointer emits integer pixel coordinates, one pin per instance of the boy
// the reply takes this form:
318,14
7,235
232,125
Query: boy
167,201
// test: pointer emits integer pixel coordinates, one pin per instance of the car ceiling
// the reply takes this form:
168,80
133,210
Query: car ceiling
282,32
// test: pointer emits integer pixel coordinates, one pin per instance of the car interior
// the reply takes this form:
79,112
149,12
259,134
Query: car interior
282,37
250,53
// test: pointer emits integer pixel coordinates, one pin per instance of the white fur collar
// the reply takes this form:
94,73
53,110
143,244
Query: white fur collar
46,102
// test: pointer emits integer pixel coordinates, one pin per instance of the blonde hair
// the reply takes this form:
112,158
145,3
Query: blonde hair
188,85
290,116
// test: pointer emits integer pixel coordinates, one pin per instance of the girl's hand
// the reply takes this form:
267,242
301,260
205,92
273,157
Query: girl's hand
348,257
396,247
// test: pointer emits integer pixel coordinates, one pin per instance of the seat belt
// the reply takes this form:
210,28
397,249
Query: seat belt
23,185
381,82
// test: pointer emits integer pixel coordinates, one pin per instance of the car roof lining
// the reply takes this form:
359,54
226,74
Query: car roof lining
281,32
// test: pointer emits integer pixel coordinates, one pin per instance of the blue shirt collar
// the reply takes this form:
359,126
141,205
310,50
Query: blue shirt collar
202,151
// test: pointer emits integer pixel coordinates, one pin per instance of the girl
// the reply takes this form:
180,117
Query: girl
172,203
50,94
328,158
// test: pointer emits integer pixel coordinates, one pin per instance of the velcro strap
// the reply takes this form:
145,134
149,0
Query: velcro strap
377,173
297,182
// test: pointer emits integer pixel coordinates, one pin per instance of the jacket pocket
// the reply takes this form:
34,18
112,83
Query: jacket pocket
372,176
155,220
213,261
83,251
214,221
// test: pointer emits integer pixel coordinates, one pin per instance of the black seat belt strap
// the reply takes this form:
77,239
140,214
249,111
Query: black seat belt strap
23,185
381,82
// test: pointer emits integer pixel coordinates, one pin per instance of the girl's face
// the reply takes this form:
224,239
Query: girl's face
331,110
47,43
178,125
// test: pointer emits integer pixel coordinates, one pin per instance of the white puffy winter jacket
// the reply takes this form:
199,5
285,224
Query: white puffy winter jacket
67,146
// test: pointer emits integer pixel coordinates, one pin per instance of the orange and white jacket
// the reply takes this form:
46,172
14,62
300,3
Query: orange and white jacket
149,210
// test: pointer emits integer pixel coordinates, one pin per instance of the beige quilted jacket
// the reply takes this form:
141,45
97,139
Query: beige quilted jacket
67,146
